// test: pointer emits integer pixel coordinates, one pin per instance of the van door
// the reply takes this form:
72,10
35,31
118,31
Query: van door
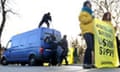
11,51
11,56
46,34
14,51
8,50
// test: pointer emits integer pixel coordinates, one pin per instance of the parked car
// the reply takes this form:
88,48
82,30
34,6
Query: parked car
30,47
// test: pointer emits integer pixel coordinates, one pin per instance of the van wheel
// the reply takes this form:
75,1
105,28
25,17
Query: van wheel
32,61
39,63
23,64
4,61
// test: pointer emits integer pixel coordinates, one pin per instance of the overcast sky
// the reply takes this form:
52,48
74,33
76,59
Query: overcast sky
29,13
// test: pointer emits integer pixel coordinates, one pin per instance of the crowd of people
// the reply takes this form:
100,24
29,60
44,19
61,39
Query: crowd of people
86,19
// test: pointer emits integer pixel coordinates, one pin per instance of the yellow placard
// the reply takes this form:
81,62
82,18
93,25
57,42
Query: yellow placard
106,54
70,56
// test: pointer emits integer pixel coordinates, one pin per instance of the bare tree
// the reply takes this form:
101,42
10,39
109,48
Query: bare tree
4,10
102,6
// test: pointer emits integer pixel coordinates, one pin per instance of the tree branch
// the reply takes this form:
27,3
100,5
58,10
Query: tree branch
3,2
98,4
7,11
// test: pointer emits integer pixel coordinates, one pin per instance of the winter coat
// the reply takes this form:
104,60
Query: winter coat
64,45
86,20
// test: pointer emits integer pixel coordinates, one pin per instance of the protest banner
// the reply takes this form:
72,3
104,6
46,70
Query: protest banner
106,54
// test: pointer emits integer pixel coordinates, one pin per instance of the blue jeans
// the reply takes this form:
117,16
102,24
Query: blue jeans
89,38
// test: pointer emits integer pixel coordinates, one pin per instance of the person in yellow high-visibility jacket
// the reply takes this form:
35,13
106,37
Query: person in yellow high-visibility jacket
86,25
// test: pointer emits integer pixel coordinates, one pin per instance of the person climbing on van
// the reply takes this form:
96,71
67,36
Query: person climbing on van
46,18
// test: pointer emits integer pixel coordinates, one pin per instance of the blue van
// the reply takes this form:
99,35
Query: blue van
30,47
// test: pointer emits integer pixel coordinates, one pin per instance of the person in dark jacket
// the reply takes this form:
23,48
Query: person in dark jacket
64,46
53,44
46,18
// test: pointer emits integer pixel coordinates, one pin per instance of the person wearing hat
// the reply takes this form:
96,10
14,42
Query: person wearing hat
86,25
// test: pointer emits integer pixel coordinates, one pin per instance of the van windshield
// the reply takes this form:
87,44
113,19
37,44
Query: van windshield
9,44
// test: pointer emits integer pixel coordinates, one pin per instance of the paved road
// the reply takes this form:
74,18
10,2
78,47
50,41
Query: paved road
14,68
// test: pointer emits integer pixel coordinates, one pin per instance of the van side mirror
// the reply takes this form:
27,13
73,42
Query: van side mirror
5,49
